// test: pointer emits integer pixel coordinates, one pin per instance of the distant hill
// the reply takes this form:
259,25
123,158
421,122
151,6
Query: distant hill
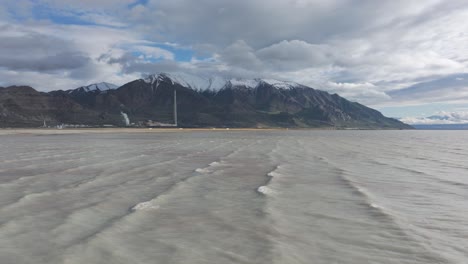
202,102
442,127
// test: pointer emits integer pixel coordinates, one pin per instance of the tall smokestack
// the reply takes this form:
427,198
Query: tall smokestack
175,107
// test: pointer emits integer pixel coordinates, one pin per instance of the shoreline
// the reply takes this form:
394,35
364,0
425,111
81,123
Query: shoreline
46,131
54,131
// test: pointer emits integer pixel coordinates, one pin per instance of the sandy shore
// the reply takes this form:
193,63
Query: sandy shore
47,131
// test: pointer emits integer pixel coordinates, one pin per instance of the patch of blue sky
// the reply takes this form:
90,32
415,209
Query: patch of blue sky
43,12
183,54
138,2
146,57
65,17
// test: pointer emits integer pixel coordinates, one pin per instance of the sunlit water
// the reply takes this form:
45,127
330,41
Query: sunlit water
235,197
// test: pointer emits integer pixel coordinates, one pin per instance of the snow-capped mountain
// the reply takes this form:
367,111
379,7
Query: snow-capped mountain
214,83
186,80
201,102
254,83
95,87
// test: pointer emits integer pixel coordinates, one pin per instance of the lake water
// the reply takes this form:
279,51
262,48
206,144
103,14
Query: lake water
235,197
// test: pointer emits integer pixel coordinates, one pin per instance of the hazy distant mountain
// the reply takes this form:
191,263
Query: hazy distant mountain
441,120
205,102
442,127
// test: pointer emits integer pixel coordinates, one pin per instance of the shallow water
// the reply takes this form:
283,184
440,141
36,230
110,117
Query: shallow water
235,197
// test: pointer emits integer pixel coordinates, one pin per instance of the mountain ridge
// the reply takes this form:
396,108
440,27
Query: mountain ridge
212,83
95,87
204,102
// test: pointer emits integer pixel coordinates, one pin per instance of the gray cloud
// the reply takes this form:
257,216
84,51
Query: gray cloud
453,88
37,52
130,63
240,54
263,22
60,61
295,55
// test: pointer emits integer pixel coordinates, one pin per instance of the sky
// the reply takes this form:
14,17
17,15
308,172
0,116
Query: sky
406,58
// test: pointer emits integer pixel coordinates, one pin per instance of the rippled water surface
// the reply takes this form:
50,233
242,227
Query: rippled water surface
235,197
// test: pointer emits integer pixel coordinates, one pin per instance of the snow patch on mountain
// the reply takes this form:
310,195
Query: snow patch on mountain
254,83
281,84
100,87
187,80
244,82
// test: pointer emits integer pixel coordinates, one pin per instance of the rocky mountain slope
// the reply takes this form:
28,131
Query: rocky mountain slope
201,102
22,106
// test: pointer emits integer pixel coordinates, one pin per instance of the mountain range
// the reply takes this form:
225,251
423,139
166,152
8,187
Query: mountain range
201,102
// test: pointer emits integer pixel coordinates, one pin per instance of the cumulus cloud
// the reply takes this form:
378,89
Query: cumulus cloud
240,54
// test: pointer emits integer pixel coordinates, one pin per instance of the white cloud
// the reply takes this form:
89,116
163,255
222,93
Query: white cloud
363,92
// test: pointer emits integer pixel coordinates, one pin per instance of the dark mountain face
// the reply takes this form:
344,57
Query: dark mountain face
256,103
22,106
